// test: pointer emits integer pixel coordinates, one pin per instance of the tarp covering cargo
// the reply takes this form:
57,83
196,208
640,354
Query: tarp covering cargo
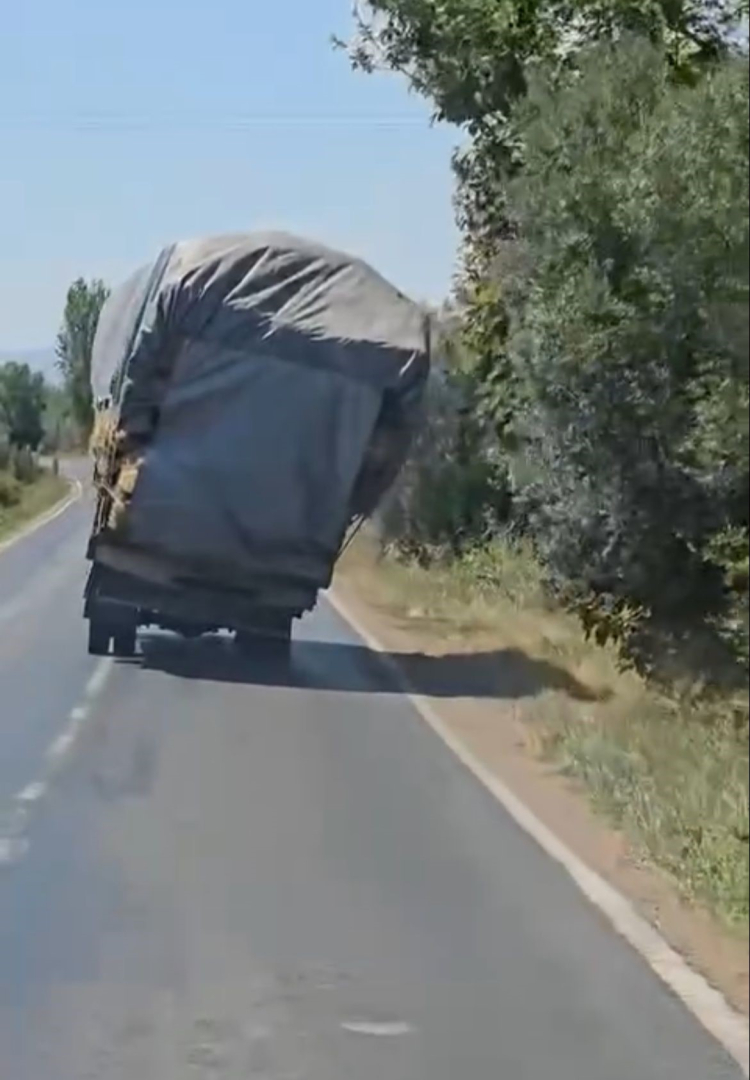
267,388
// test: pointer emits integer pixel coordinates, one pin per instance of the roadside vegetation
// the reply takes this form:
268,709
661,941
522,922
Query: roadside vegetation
38,419
582,480
26,489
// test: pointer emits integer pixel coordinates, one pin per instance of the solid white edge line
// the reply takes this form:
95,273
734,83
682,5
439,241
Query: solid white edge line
45,519
705,1003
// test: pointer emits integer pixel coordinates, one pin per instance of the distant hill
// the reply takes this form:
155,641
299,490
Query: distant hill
44,360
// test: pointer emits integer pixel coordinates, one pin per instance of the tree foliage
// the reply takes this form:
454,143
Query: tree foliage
602,195
60,430
22,405
75,343
630,327
473,59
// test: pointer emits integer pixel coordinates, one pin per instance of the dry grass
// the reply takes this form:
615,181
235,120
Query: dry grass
671,769
673,773
34,499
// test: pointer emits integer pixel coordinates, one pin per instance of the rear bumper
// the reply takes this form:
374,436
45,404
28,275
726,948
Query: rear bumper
119,598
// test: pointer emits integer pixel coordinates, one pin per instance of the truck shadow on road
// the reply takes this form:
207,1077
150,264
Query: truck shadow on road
506,674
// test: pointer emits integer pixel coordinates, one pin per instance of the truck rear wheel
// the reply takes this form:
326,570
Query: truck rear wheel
100,638
124,642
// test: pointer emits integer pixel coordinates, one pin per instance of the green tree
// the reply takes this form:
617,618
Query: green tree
59,427
602,195
472,59
75,342
22,404
629,329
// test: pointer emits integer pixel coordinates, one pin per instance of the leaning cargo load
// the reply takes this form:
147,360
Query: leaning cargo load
255,395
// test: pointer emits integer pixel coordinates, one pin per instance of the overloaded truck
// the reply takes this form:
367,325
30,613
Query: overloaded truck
254,397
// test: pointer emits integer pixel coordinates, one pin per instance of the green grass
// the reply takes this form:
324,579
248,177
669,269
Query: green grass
672,774
34,499
669,768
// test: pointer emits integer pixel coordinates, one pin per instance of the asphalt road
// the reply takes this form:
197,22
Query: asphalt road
241,873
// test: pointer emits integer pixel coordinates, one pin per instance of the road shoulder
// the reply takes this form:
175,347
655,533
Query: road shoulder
44,501
499,733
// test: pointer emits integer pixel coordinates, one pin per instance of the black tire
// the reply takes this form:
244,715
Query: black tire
100,638
124,642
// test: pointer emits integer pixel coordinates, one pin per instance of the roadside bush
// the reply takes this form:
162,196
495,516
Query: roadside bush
453,491
629,333
729,550
24,465
10,491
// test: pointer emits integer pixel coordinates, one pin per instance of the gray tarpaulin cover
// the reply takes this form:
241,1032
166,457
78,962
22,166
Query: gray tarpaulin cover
272,384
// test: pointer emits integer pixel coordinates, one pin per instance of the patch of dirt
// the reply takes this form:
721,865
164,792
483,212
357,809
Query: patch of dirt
491,708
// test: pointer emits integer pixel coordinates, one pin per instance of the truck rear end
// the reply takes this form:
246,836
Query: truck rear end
256,395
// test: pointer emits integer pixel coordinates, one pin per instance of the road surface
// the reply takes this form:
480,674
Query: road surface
251,874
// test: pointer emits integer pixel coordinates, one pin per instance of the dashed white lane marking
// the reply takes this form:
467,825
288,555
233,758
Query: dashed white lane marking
14,823
382,1029
12,850
705,1003
98,679
15,818
32,793
62,745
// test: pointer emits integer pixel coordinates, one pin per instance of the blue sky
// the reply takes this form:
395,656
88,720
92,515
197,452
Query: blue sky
127,125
